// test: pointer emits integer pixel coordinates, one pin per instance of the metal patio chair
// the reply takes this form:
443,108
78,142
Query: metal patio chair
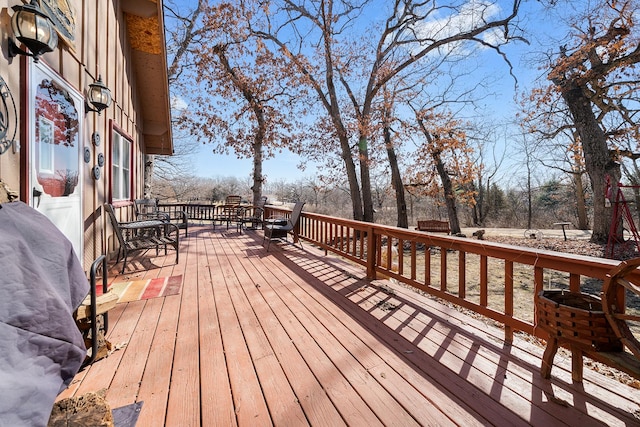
279,230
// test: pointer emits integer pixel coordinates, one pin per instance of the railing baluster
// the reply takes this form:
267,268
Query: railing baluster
484,281
462,274
372,242
574,282
508,299
400,257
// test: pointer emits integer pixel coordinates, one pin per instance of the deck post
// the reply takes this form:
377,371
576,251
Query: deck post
372,250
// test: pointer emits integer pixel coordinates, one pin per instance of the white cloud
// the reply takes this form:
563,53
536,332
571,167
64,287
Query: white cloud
178,103
473,14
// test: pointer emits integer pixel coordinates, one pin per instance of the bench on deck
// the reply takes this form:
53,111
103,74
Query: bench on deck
434,226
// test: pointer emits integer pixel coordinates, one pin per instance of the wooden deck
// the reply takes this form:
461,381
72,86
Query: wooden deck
291,337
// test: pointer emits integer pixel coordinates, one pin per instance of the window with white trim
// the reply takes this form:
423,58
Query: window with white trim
121,167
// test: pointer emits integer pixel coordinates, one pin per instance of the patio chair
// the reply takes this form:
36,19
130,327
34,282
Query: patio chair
250,217
143,235
148,209
229,212
279,230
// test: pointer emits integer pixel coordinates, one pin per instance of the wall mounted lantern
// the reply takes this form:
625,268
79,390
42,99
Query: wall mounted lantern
98,97
33,28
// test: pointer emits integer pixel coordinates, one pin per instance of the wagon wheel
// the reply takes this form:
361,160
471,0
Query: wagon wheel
617,282
533,233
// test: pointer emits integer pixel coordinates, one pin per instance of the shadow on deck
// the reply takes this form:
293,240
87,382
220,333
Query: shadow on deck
293,337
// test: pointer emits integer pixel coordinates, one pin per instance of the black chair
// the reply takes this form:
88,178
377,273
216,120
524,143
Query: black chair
148,209
142,235
250,217
230,211
279,229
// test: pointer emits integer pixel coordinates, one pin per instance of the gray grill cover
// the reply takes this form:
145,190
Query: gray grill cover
41,284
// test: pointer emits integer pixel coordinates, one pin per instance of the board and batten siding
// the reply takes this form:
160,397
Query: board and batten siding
102,47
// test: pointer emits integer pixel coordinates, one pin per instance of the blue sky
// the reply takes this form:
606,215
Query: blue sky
281,168
496,108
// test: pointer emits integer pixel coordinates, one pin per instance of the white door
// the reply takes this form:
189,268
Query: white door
56,138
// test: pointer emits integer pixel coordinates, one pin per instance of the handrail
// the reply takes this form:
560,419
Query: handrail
101,261
452,278
462,273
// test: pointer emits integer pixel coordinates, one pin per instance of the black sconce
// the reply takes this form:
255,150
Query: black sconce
33,28
98,97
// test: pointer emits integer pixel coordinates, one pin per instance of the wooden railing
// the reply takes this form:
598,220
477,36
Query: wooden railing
195,212
496,280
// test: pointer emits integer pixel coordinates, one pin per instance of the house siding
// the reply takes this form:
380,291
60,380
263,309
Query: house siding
101,48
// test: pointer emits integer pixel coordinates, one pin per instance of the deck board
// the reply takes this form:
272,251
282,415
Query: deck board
341,375
249,401
216,398
154,387
183,407
272,316
123,388
293,337
280,398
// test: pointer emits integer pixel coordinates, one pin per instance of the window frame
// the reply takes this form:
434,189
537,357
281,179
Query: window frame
117,133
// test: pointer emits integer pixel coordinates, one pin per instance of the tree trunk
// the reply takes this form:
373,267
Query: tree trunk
529,195
396,180
581,205
258,179
601,168
333,107
478,206
449,196
148,176
352,177
365,179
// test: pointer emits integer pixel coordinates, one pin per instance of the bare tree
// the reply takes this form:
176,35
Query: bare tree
244,96
324,51
183,29
445,151
485,181
591,74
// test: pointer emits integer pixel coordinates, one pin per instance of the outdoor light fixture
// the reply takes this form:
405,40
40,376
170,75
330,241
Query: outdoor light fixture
98,97
33,28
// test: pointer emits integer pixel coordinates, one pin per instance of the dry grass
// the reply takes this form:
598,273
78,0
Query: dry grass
523,285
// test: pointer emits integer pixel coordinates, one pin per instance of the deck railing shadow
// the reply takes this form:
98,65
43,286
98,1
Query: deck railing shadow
558,390
448,275
459,272
341,284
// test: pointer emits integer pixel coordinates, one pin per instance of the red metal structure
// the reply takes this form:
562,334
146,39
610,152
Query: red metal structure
621,213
